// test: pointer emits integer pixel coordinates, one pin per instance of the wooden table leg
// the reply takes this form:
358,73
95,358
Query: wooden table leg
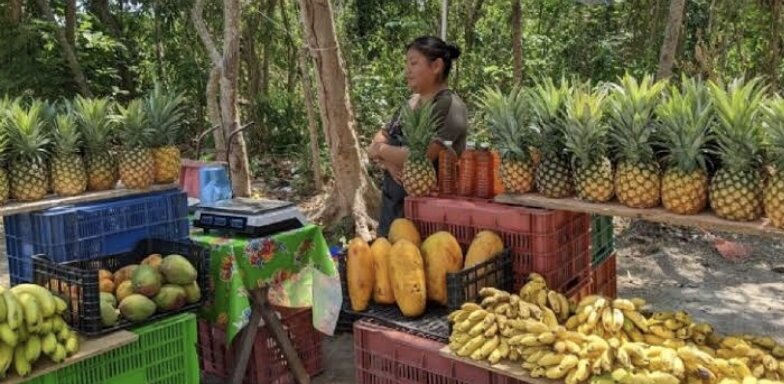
246,341
281,337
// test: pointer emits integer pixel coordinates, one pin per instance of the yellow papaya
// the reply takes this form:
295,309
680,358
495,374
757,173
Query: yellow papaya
407,272
359,274
404,229
382,290
442,254
485,246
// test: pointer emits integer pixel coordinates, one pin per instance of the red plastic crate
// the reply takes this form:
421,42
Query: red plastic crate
605,277
267,364
386,356
555,244
581,291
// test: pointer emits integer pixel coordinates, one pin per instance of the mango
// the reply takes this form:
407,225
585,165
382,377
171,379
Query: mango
407,272
109,298
124,290
171,297
106,285
442,254
192,293
109,315
359,274
382,289
404,229
124,273
104,274
137,307
178,270
146,281
153,260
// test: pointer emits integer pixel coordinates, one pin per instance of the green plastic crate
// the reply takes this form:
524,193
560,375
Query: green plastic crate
602,242
164,354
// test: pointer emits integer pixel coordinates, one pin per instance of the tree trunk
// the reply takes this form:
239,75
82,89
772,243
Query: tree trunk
238,156
354,193
670,45
517,41
214,113
70,22
290,48
315,154
774,42
15,12
158,43
265,67
68,52
474,12
129,54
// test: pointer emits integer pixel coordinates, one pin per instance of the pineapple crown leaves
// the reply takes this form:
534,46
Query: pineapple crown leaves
630,109
134,129
547,104
419,127
67,138
165,112
508,119
739,130
585,129
27,134
93,117
774,131
685,117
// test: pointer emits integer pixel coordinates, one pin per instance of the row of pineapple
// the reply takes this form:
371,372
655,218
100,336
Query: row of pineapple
663,137
87,144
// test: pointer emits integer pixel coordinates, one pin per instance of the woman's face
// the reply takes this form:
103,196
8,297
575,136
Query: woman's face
421,73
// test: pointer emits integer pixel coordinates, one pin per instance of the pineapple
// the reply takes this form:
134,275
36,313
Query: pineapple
553,174
94,119
69,177
630,109
774,191
28,151
585,139
419,127
165,113
736,188
5,105
136,162
512,137
685,117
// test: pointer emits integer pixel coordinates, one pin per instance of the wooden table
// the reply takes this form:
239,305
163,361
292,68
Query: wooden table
705,220
260,310
87,349
14,207
506,368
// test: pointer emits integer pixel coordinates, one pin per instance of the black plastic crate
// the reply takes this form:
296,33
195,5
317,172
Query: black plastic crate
464,286
77,282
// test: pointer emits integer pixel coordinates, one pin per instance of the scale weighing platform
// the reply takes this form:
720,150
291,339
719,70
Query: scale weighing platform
252,217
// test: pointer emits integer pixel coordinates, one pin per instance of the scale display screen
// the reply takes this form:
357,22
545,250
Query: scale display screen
216,221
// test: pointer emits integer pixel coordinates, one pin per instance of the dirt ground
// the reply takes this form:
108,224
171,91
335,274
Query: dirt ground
673,269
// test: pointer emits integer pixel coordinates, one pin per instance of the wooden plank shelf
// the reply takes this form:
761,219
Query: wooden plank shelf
705,220
15,207
506,368
87,349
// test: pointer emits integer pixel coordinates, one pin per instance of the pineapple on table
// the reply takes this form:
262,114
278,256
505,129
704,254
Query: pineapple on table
685,119
28,141
512,136
69,176
135,134
586,140
96,126
736,190
419,129
5,105
165,112
631,107
553,173
774,191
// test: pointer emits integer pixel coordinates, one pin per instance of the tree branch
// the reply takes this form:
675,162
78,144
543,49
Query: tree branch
68,52
204,34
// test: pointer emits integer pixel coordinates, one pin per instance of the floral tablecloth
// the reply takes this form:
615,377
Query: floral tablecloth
295,265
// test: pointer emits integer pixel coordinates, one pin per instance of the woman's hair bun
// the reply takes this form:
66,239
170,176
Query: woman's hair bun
453,51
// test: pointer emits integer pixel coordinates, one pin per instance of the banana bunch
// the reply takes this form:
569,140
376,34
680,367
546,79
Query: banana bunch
535,291
607,318
31,325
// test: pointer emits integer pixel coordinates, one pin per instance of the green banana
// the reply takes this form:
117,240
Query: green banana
42,295
33,348
32,314
63,335
14,312
22,332
3,309
21,365
46,326
72,344
8,336
6,356
49,343
60,305
57,324
59,353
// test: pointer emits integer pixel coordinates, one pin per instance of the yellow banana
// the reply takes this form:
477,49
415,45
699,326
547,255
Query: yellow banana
662,332
469,347
555,372
538,372
549,318
455,314
607,319
566,307
6,356
8,336
477,329
572,323
617,320
770,363
42,295
541,299
470,307
765,342
21,365
30,308
503,308
550,359
639,303
477,315
535,327
480,353
624,305
33,346
568,362
490,291
659,378
546,338
529,341
555,303
638,319
740,368
14,311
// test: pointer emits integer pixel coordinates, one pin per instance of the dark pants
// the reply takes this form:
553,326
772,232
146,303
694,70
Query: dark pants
392,198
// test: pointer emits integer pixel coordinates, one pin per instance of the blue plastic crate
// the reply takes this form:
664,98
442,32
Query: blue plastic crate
93,230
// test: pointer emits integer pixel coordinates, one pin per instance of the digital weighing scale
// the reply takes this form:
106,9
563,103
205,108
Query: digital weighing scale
252,217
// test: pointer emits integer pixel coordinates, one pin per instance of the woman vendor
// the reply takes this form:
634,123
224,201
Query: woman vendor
428,62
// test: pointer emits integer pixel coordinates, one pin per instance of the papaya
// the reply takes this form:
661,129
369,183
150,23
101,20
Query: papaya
442,254
404,229
382,289
359,274
407,272
485,246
